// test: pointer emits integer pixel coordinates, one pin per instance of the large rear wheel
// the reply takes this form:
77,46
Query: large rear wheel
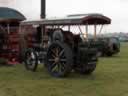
59,59
86,68
87,61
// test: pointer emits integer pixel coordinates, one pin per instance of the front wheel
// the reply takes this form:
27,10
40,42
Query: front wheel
31,60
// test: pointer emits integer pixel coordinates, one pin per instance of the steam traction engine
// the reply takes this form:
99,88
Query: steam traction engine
61,44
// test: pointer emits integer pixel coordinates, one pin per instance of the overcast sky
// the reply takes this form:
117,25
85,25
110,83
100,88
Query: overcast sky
117,10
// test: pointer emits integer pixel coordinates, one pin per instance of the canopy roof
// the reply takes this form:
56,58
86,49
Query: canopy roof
80,19
10,15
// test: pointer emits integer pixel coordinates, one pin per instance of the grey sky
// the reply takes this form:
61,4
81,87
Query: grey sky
115,9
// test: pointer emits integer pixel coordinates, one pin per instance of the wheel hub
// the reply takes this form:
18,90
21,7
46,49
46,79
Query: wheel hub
57,59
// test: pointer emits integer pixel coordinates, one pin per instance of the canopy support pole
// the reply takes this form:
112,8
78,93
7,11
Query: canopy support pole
101,28
86,28
82,33
95,32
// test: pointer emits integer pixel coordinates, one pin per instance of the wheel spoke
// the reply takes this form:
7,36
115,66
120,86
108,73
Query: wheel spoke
54,67
31,63
61,53
31,59
28,62
32,55
53,56
53,51
57,51
63,60
59,67
52,60
62,67
28,58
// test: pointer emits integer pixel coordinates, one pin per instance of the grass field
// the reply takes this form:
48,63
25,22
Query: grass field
109,79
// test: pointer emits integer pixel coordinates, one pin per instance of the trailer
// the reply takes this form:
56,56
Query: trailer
9,34
55,43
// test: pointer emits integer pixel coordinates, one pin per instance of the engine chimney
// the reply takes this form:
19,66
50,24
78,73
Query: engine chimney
43,9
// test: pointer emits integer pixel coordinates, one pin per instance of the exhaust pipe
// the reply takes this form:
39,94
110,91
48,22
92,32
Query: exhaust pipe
43,9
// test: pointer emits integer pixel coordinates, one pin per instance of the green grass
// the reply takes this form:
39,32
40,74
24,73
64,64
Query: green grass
109,79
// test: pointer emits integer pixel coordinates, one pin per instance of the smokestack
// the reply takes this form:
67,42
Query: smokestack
43,8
